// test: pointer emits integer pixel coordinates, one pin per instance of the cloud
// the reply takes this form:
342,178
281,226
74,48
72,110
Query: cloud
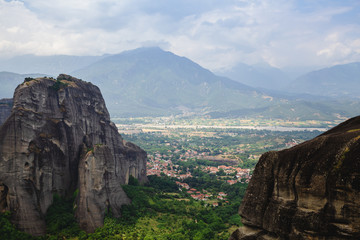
17,27
216,34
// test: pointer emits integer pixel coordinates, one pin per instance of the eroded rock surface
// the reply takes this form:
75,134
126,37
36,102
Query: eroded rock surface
59,138
311,191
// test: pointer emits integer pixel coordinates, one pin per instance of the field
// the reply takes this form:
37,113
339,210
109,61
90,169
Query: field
239,140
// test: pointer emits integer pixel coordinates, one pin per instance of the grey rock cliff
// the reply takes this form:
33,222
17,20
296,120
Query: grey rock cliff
59,138
311,191
5,109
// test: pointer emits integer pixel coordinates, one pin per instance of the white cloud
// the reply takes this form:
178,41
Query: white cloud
216,34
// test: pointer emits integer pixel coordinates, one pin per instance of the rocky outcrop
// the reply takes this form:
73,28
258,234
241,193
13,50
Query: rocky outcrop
5,109
311,191
59,138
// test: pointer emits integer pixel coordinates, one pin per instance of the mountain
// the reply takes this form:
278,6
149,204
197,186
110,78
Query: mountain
152,81
258,76
59,140
9,81
51,65
337,81
310,191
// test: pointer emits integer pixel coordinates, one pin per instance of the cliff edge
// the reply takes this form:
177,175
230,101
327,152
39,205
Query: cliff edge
59,139
310,191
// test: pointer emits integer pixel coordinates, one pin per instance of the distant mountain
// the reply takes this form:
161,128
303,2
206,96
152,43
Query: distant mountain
52,65
150,81
153,81
9,81
337,81
259,76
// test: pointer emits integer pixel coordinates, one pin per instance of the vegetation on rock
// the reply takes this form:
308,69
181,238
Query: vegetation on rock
59,85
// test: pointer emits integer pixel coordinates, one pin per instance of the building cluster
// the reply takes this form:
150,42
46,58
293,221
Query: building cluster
202,195
240,174
156,167
159,164
162,165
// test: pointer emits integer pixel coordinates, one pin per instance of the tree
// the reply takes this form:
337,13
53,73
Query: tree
221,172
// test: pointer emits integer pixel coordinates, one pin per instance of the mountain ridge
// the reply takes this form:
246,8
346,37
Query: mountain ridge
152,71
51,65
336,81
154,82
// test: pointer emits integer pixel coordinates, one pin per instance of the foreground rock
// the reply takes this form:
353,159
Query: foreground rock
311,191
5,109
59,138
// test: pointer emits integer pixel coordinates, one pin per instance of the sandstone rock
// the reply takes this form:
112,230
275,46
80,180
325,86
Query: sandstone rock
59,138
5,109
311,191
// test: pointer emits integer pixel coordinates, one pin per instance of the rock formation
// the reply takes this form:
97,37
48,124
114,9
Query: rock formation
5,109
311,191
59,138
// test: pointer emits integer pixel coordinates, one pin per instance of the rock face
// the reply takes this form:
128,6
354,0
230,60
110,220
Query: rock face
59,138
5,109
311,191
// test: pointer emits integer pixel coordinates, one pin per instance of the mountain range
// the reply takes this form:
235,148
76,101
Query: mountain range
259,76
51,65
153,82
158,82
337,81
9,82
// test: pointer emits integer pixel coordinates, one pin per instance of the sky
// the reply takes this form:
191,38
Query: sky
216,34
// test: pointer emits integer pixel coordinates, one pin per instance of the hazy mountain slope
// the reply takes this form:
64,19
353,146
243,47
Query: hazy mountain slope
152,82
52,65
337,81
9,81
152,79
259,76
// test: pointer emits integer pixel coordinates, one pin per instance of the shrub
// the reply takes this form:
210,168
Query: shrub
59,85
60,220
8,230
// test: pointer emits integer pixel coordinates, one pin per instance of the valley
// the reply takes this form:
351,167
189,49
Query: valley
203,135
179,120
198,171
230,141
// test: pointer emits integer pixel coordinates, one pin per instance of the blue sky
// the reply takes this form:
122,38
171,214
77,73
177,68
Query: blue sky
215,34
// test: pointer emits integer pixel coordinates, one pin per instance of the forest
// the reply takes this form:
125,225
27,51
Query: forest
159,210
